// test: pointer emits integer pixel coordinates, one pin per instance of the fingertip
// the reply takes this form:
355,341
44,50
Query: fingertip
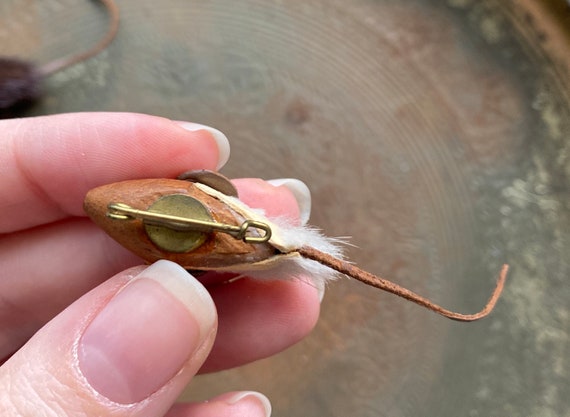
260,318
275,201
51,162
129,346
222,142
301,193
165,311
254,401
231,404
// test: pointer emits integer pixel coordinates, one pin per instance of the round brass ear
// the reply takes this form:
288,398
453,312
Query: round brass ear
172,240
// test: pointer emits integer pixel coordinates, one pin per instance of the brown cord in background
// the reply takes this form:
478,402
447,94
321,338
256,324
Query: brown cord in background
21,80
65,62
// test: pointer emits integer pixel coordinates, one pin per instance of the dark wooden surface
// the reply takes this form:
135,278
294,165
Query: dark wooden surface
434,133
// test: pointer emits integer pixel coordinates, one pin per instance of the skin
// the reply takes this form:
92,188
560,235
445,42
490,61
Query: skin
53,258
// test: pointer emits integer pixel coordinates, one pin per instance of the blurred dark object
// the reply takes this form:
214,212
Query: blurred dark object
19,86
20,80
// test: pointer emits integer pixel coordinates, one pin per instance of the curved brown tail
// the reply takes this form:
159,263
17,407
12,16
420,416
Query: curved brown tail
375,281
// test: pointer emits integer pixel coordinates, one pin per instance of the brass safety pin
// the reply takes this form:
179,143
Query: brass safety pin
120,211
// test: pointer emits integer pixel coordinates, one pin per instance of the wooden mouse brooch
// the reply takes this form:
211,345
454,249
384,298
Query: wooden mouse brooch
198,221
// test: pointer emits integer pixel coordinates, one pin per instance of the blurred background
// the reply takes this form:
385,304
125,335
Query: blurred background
434,133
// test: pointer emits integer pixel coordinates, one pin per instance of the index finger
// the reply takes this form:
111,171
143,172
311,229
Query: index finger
47,164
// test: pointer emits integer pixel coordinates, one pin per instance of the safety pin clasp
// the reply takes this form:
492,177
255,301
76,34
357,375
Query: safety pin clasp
243,232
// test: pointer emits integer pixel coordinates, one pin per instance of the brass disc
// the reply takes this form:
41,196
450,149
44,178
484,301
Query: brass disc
174,240
212,179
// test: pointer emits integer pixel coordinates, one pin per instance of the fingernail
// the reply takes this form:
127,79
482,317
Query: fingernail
221,140
259,399
321,290
146,333
302,195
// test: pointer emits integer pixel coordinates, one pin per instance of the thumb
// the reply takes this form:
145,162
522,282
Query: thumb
127,348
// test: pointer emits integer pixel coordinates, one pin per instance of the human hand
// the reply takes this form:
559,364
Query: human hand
84,344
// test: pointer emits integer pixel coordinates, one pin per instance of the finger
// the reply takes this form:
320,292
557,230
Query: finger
232,404
281,312
258,319
281,198
48,164
45,269
127,348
